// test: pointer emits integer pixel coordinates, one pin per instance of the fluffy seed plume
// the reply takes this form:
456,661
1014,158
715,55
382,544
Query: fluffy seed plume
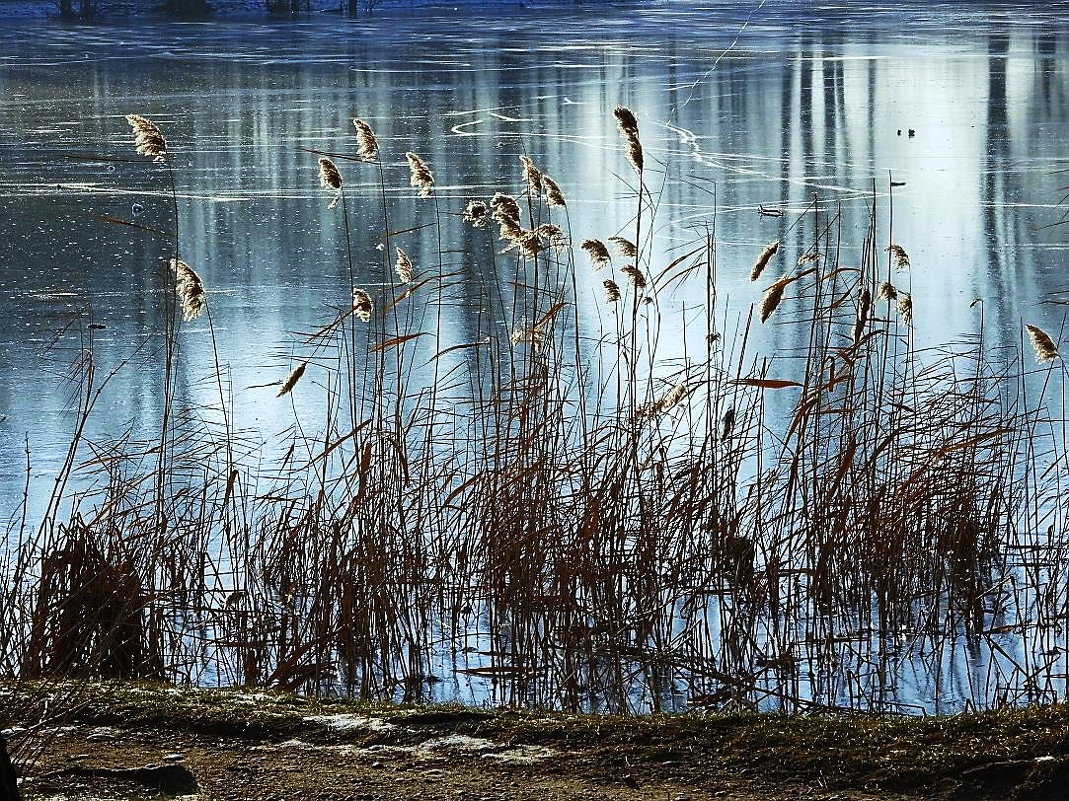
190,290
504,207
864,305
529,243
628,125
148,139
362,305
1042,344
773,296
900,256
553,234
420,174
888,291
905,308
554,197
292,379
531,175
403,267
665,402
476,213
598,253
634,276
624,247
509,229
612,290
367,146
762,261
329,177
625,120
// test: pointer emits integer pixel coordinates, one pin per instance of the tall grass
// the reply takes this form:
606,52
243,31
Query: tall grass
552,514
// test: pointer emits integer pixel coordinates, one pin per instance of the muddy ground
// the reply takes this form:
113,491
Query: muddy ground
132,742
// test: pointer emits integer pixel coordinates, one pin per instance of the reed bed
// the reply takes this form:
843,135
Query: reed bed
545,517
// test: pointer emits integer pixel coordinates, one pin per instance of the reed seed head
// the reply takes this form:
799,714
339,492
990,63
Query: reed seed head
634,154
905,308
598,253
531,175
292,379
509,229
148,139
900,256
625,120
553,234
529,243
1042,344
773,297
624,247
612,290
420,174
329,177
476,213
190,290
887,291
403,267
634,276
504,207
762,261
362,305
367,146
554,197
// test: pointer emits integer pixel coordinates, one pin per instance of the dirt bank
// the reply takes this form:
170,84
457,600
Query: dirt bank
127,742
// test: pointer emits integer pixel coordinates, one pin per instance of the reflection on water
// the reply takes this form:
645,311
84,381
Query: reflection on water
965,114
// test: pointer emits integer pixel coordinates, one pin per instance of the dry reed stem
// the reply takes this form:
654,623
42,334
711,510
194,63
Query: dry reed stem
1042,344
634,276
624,247
612,290
900,256
531,175
367,146
420,176
362,305
762,261
554,197
292,379
190,290
403,267
148,139
598,253
773,297
476,213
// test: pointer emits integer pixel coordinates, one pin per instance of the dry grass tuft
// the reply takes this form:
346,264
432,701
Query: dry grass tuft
1042,344
367,146
420,174
762,261
148,139
292,379
190,290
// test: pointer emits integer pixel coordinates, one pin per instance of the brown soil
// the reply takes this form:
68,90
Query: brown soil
126,742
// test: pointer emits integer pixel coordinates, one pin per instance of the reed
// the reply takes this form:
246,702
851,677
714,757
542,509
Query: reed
547,511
